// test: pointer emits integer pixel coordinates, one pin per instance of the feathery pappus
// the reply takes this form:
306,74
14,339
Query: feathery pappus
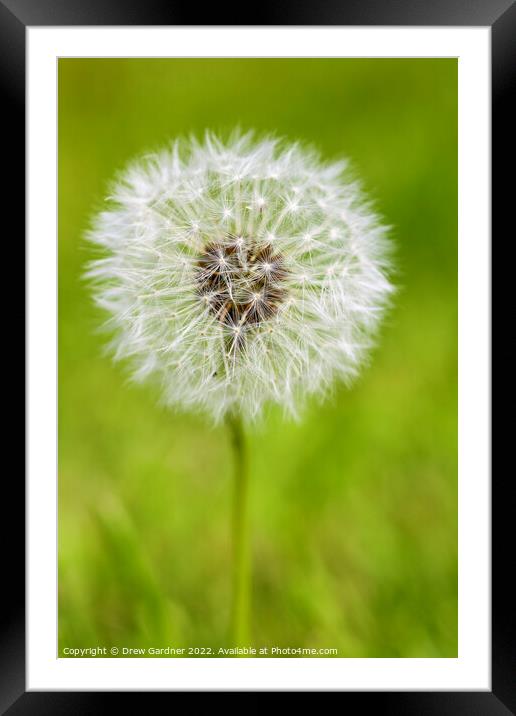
240,272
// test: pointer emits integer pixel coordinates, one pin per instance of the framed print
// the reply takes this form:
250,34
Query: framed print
258,367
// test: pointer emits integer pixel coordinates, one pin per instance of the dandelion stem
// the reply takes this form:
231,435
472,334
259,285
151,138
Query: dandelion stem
241,567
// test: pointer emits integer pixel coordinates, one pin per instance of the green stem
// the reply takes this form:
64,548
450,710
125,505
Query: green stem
241,569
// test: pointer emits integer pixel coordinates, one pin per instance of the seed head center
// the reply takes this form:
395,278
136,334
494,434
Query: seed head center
242,281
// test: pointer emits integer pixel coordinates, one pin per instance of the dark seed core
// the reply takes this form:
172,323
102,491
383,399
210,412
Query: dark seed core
242,282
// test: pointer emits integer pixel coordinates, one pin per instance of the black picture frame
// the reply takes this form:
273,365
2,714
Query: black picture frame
15,17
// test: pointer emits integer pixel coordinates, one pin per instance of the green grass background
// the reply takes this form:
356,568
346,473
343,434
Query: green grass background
354,509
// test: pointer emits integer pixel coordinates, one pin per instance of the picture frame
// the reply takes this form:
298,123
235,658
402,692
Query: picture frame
18,15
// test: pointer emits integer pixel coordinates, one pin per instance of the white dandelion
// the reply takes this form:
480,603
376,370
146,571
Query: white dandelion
240,273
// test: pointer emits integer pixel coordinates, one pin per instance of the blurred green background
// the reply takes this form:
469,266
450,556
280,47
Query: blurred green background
354,509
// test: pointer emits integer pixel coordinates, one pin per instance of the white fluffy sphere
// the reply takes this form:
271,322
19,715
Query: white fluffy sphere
240,273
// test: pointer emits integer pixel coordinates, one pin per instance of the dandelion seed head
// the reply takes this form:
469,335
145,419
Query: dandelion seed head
240,273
